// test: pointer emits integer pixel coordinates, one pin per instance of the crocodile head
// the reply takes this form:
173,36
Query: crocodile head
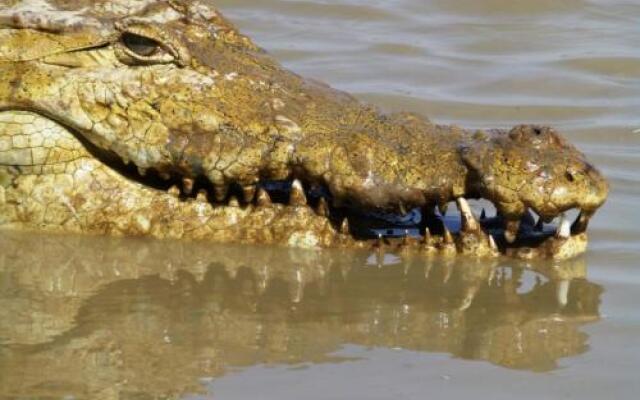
157,117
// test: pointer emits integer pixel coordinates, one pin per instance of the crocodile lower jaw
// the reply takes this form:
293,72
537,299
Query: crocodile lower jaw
50,181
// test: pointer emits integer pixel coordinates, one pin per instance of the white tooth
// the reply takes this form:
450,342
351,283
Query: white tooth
344,227
233,202
447,236
403,210
492,243
322,208
297,196
174,191
248,193
469,222
202,196
427,237
564,230
262,198
220,192
562,292
297,185
582,222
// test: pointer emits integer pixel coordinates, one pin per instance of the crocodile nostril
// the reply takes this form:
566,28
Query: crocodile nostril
570,176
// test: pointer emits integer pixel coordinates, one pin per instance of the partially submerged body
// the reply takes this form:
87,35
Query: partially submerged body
158,118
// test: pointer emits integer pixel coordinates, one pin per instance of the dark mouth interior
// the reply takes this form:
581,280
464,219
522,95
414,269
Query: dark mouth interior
367,224
364,224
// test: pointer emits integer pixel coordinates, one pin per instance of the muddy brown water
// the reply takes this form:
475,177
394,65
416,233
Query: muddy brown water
104,318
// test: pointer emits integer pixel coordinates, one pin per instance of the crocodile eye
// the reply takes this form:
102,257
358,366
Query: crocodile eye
143,49
140,45
143,44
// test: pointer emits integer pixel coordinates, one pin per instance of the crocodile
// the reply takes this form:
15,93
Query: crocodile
159,118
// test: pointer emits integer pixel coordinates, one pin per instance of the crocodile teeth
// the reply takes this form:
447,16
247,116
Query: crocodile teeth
233,202
202,196
469,222
323,208
492,243
582,222
344,227
402,208
297,197
187,185
220,193
262,198
164,175
248,193
564,229
483,215
427,237
511,231
142,171
174,191
447,236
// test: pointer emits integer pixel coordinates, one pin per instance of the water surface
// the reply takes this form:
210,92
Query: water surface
140,318
101,318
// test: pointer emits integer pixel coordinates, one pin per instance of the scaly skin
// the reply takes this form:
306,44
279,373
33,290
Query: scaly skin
107,103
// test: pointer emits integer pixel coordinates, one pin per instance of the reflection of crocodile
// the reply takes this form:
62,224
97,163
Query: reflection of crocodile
153,117
107,318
